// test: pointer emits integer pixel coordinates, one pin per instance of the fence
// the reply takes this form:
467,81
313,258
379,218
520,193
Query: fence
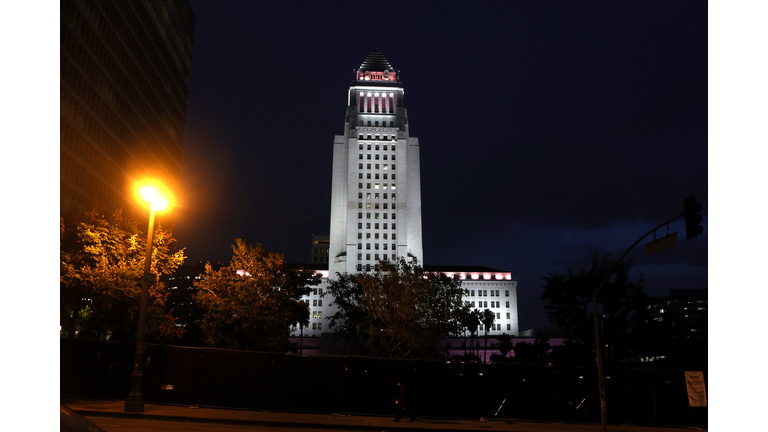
254,380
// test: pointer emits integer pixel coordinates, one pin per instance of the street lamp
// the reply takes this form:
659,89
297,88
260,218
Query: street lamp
135,400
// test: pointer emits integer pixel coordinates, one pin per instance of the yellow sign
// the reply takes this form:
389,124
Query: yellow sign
697,392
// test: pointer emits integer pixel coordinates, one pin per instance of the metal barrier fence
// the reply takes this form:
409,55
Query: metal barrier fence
255,380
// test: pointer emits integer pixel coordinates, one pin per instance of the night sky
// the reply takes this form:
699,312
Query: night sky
547,129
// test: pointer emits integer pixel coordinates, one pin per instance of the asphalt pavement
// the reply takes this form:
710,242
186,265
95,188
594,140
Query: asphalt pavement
182,413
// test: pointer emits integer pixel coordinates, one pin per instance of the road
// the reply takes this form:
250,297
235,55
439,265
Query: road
139,425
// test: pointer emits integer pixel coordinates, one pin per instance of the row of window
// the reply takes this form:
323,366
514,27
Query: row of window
375,267
484,304
376,186
375,215
376,123
375,236
376,157
376,246
484,293
376,175
376,147
375,195
377,138
376,225
376,205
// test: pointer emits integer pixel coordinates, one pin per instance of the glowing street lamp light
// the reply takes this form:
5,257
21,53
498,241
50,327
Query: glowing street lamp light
135,400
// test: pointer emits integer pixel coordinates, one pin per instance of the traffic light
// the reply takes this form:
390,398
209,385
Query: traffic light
692,217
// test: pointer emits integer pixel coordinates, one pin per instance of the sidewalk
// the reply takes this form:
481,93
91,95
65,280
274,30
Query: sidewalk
114,408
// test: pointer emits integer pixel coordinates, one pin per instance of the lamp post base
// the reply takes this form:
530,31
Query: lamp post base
135,400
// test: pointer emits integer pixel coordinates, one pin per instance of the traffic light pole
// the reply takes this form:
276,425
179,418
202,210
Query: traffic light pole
598,347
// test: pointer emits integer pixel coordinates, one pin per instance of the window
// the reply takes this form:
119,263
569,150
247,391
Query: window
498,315
368,176
385,236
376,246
385,157
377,196
376,186
377,156
367,267
394,206
368,206
393,196
360,147
385,226
507,304
376,236
394,186
391,123
367,247
359,257
368,195
394,176
393,149
377,176
314,326
394,246
360,165
320,303
377,146
359,236
485,304
367,225
359,245
367,157
385,246
509,327
497,293
472,293
393,215
506,293
367,256
368,166
507,315
359,195
359,185
359,225
394,236
367,236
369,123
367,215
359,205
377,226
368,185
319,326
314,303
394,256
491,293
359,267
314,314
319,314
485,293
385,215
377,166
376,257
385,176
360,156
359,215
385,204
385,196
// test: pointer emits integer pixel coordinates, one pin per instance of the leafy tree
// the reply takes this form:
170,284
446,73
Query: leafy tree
535,353
488,318
251,303
505,344
569,304
101,271
400,311
473,323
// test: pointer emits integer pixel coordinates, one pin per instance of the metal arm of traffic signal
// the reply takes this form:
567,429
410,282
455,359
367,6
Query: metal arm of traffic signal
598,348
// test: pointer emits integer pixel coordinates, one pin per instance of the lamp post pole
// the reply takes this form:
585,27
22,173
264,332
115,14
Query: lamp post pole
135,400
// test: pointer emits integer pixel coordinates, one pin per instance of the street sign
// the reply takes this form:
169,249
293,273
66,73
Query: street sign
661,244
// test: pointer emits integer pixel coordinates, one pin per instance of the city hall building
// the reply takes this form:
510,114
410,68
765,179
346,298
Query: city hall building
376,202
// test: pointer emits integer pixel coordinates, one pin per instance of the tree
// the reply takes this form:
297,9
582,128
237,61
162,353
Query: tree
473,323
101,270
488,318
535,353
569,304
504,345
251,303
401,311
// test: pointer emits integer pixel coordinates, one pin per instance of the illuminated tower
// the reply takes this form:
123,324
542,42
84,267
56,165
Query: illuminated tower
376,190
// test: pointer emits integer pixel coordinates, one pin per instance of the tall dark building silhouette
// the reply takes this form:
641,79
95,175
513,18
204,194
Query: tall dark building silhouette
125,70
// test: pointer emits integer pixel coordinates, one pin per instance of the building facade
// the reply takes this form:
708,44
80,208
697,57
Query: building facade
376,202
376,186
125,70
